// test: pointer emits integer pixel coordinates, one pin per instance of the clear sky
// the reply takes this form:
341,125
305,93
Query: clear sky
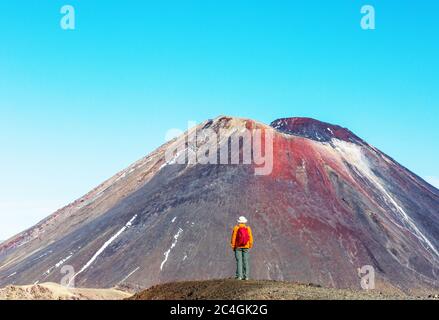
78,105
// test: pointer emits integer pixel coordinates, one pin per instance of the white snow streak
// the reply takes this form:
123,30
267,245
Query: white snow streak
129,275
63,261
58,264
354,153
173,220
166,254
23,243
44,254
12,274
106,244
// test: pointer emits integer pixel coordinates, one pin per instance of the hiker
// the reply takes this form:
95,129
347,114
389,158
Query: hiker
242,242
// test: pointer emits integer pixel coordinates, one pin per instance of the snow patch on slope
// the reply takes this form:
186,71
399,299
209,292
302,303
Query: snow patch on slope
57,265
23,243
106,244
354,155
129,275
166,254
60,263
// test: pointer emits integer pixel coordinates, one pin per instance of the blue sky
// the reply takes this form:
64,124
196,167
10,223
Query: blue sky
77,106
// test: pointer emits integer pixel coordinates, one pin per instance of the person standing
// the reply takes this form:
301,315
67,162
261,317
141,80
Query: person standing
242,242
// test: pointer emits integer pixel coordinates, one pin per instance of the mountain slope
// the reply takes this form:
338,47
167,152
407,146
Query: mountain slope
331,204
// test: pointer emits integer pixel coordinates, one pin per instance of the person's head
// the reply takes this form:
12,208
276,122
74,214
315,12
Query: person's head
242,219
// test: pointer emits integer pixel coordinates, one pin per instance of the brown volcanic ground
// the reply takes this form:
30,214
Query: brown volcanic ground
266,290
332,204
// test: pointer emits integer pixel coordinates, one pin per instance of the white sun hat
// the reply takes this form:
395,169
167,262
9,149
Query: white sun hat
242,219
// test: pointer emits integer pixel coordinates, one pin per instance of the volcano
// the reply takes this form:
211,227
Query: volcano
329,205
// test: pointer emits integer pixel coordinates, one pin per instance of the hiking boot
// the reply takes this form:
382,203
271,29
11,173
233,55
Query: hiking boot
238,278
246,279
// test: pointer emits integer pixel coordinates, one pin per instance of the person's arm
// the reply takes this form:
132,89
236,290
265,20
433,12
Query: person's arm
232,242
251,237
